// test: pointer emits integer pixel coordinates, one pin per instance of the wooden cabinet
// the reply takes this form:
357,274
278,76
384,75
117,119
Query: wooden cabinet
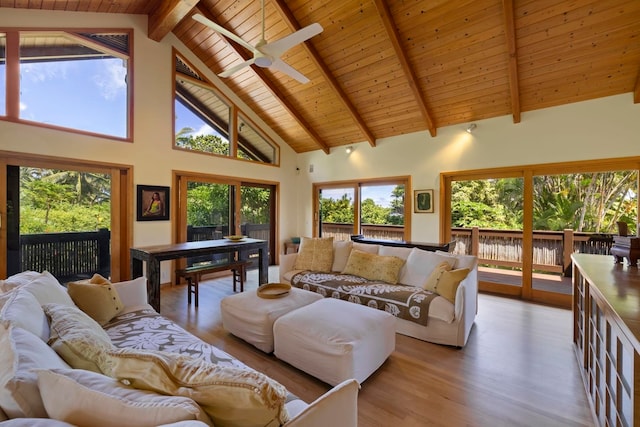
606,313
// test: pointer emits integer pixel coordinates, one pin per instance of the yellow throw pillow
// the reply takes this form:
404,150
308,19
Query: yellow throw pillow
432,281
374,267
315,254
447,282
231,396
97,297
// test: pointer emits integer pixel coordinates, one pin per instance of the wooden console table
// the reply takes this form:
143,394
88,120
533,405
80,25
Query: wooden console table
153,255
626,247
606,337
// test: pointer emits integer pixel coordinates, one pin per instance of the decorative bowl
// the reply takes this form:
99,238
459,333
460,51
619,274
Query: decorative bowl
235,237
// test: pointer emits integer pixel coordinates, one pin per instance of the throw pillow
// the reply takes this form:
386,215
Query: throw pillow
447,283
20,308
22,352
17,280
420,264
92,399
48,290
133,293
76,337
341,251
315,254
97,297
374,267
432,281
231,396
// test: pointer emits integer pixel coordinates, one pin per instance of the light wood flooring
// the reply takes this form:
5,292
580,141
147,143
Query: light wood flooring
518,368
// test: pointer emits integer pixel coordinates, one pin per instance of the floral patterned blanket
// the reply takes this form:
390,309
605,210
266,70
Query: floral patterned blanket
406,302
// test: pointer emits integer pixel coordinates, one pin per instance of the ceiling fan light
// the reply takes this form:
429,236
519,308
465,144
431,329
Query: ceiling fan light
263,61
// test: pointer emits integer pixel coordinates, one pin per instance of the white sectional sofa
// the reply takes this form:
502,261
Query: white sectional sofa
120,363
446,321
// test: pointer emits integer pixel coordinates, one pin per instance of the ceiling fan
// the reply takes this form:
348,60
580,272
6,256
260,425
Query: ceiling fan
267,55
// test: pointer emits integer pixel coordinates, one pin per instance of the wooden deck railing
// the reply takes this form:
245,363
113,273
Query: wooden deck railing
67,256
214,232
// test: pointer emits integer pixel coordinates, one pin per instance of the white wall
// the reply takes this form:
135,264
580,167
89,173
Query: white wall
603,128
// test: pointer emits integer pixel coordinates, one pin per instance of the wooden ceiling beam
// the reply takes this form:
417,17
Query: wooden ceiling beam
394,38
326,73
510,35
166,16
262,75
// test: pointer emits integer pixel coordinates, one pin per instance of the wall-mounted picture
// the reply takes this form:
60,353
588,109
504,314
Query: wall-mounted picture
423,201
153,203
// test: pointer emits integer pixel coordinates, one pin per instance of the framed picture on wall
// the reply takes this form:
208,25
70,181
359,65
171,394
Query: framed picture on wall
423,201
153,203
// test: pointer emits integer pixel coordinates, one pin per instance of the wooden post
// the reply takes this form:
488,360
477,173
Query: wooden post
475,240
567,250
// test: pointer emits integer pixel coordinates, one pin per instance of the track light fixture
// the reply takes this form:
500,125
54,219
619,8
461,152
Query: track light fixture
471,127
349,149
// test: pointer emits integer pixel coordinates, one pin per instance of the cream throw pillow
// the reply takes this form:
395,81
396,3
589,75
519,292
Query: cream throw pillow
76,337
374,267
239,397
315,254
445,281
47,290
97,297
20,308
92,399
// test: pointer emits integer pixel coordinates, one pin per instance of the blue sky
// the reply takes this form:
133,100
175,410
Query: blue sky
89,95
381,194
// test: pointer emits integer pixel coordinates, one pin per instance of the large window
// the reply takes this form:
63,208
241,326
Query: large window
207,122
373,208
78,81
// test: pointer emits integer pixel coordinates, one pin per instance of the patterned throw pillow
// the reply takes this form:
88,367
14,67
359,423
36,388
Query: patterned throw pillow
374,267
315,254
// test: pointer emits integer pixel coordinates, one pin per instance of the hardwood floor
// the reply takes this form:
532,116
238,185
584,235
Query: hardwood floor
518,368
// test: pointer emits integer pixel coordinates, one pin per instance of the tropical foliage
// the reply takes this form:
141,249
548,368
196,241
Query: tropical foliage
590,202
341,210
63,201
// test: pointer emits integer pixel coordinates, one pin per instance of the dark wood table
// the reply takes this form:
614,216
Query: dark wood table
153,255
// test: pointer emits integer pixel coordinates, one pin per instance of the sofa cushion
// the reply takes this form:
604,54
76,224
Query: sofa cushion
316,254
76,337
133,294
17,280
92,399
48,290
231,396
374,267
20,308
366,247
432,281
97,297
341,252
22,352
420,264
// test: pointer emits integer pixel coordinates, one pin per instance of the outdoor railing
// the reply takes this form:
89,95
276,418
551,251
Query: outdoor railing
215,232
67,256
343,231
551,249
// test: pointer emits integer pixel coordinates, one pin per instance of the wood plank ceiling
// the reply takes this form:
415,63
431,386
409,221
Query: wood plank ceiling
384,68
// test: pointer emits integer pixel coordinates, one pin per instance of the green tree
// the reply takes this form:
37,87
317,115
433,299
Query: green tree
371,213
339,211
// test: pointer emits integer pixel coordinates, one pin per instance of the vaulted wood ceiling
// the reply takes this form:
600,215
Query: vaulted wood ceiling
385,68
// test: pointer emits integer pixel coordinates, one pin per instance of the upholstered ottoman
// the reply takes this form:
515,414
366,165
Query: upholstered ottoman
251,318
335,340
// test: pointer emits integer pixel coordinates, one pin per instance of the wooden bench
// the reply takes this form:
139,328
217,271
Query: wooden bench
194,274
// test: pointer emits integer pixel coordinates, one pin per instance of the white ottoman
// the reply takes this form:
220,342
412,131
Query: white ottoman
335,340
251,318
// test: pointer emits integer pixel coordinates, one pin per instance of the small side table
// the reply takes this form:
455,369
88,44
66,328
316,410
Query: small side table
628,247
291,248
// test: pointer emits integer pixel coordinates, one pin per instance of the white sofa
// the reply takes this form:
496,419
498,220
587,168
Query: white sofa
40,386
448,322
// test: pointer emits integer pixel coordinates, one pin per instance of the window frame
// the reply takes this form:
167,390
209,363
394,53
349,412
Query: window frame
12,84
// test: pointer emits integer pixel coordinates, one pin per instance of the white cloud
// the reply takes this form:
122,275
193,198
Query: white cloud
23,106
203,130
111,78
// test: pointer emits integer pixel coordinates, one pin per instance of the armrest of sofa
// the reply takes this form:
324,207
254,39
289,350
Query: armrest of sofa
466,306
287,262
337,407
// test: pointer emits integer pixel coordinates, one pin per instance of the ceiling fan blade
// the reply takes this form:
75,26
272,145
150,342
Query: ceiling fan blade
282,45
232,70
219,29
283,67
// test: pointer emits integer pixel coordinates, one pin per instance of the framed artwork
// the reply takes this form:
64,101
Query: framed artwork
423,201
153,203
